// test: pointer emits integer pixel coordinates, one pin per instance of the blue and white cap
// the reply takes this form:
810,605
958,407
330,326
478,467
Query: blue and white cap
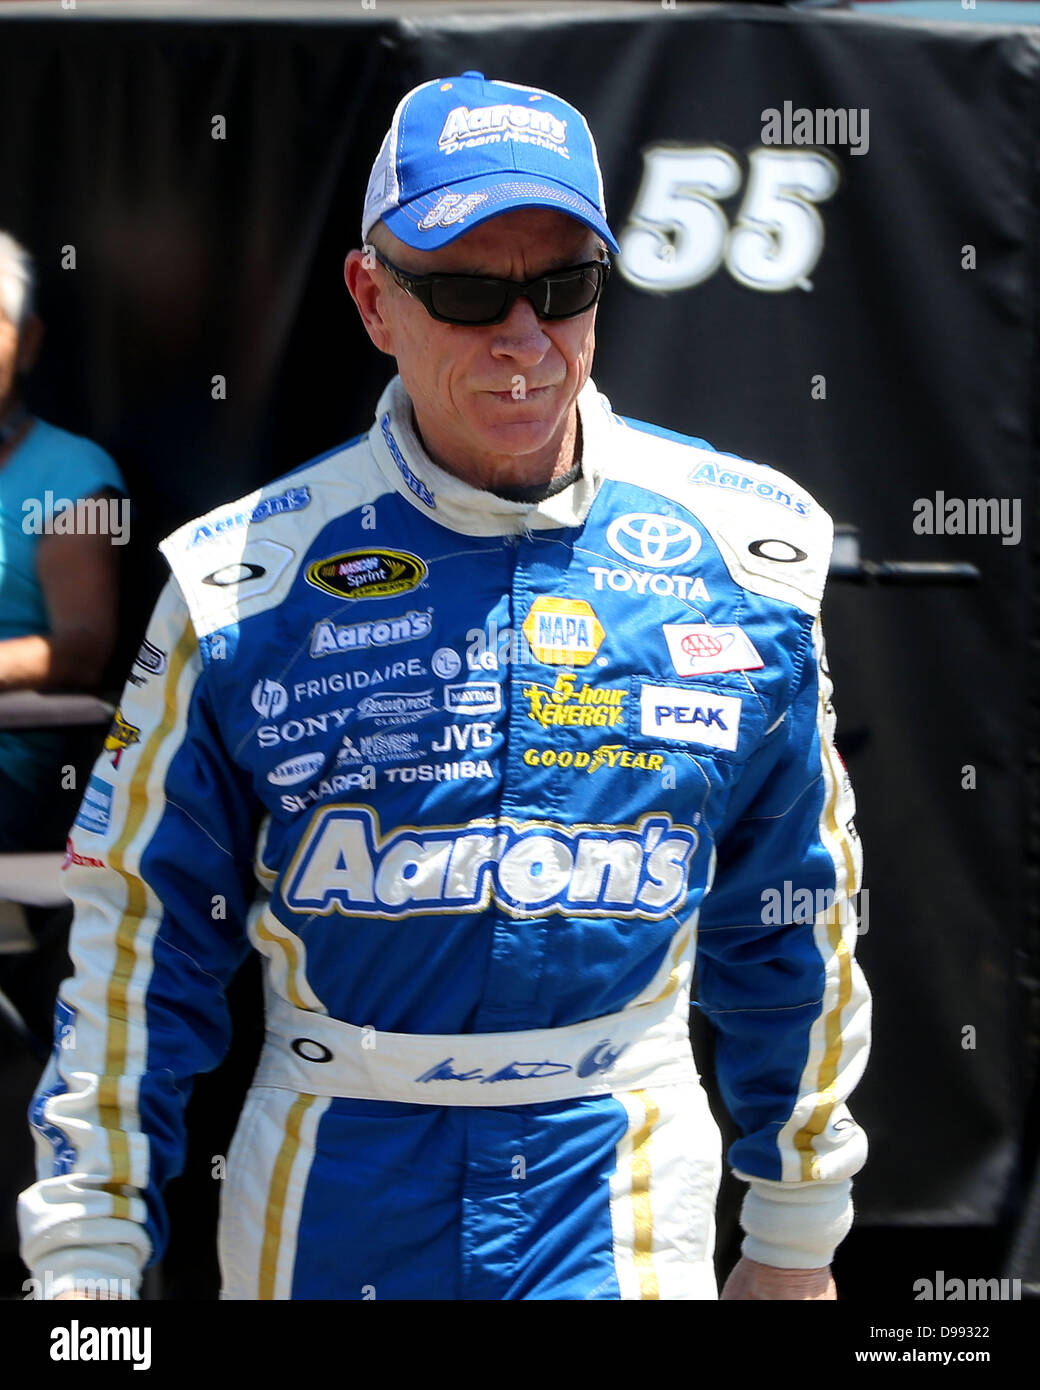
462,149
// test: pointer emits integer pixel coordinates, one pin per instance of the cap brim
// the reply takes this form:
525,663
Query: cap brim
422,222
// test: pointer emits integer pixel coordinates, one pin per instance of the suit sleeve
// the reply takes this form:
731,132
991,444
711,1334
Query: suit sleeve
780,985
159,871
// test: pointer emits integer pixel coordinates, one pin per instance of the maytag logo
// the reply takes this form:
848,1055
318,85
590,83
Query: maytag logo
367,573
476,697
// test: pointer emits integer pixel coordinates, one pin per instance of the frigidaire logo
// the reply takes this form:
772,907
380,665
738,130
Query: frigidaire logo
367,573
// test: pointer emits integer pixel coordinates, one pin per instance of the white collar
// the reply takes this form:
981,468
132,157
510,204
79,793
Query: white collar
475,511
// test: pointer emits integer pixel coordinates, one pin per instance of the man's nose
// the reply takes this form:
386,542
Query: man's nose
520,334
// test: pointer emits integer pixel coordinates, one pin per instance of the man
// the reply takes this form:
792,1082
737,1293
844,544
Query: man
483,701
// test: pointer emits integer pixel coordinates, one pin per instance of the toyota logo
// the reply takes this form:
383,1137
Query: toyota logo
661,542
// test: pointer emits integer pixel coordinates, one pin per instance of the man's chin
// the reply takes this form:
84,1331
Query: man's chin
518,427
517,437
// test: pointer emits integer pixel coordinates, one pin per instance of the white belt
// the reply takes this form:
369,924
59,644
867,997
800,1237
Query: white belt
317,1055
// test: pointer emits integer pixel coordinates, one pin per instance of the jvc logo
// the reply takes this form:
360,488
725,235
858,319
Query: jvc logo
463,736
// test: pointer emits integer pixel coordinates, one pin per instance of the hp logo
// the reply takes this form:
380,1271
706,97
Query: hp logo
269,698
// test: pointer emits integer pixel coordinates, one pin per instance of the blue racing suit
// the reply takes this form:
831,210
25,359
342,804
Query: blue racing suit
464,770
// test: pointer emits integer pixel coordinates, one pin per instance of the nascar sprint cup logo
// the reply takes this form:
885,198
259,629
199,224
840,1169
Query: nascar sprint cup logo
367,573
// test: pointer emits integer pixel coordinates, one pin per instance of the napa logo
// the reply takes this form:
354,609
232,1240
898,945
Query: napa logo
563,631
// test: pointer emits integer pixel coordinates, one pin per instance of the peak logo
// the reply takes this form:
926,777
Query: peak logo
527,868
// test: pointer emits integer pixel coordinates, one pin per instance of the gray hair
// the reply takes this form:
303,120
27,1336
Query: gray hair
17,280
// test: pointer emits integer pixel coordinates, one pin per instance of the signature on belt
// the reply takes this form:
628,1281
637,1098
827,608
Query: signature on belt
599,1058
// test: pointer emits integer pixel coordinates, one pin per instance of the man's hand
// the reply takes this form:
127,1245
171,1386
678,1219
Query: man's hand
750,1280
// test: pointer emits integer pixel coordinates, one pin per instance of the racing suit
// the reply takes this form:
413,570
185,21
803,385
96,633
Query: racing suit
463,770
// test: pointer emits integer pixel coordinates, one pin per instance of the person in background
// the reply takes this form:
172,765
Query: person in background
58,575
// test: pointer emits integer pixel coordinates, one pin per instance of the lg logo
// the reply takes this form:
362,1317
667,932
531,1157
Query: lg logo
659,542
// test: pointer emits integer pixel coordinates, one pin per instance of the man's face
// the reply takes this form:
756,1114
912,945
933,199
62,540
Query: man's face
18,352
501,394
8,357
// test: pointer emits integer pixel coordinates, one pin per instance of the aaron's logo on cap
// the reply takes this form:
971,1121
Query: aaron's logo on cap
367,573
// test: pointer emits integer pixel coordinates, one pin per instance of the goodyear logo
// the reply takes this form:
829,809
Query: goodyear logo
345,865
120,736
563,631
606,755
367,573
587,706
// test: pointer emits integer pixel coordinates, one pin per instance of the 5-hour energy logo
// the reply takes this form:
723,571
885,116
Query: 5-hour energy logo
567,703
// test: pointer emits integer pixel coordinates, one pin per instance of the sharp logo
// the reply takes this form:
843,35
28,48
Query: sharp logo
526,868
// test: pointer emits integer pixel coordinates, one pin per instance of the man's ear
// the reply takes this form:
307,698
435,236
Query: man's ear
361,272
30,339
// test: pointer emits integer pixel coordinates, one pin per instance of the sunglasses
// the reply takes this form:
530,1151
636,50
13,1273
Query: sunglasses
480,300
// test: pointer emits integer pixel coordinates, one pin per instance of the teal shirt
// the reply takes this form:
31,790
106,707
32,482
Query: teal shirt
47,461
